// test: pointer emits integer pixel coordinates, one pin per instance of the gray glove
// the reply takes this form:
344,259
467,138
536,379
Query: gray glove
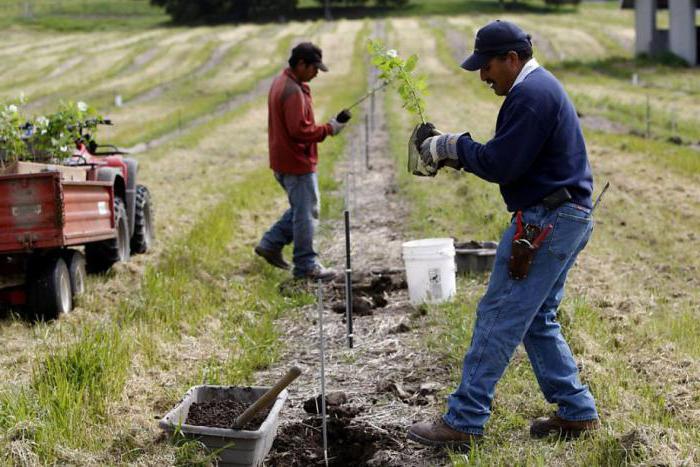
336,126
440,151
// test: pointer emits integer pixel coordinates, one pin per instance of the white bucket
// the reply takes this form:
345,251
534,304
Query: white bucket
430,269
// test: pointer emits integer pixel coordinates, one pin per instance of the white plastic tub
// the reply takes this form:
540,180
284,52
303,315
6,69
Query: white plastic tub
430,269
240,447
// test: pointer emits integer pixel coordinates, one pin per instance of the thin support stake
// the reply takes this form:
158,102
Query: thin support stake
371,113
347,190
319,297
353,188
348,280
371,93
648,118
367,142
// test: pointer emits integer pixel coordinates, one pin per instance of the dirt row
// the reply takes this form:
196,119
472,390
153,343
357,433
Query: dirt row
388,379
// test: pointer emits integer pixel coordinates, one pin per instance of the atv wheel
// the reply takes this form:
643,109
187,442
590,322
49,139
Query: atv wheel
102,255
142,239
76,268
49,289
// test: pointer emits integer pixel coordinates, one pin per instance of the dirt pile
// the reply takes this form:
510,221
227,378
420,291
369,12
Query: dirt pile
223,414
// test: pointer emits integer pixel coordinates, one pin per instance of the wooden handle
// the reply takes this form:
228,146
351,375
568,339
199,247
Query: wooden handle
267,398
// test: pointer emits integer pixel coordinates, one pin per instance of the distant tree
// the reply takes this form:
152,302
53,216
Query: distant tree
188,11
382,3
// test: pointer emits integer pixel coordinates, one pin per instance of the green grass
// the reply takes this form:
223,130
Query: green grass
206,274
82,15
420,8
69,388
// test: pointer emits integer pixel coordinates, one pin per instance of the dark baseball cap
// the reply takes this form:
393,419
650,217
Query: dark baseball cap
310,53
497,37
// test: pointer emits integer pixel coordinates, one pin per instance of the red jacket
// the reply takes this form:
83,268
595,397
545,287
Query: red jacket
291,129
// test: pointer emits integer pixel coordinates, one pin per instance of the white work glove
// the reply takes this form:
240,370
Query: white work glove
439,151
336,126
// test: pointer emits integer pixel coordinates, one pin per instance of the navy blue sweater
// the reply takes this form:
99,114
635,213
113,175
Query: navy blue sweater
538,146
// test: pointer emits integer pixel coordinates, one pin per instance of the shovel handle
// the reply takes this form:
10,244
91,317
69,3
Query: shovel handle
267,398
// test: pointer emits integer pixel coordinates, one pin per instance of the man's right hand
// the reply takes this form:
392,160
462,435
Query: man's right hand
425,131
343,116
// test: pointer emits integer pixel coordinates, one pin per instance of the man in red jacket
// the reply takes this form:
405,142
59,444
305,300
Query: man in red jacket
292,137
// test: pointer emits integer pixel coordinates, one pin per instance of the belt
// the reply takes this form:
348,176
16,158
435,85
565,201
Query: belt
556,199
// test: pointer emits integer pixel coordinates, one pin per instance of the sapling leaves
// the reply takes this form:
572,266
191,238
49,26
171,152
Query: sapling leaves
395,70
45,137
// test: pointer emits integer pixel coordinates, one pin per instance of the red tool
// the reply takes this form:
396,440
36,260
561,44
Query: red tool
520,230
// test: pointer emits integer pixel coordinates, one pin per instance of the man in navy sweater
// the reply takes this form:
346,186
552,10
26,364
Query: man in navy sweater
538,157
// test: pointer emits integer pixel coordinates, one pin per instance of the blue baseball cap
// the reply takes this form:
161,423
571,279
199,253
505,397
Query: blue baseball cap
495,38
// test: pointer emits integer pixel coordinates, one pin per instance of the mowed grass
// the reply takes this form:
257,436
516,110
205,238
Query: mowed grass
86,390
206,297
631,305
82,15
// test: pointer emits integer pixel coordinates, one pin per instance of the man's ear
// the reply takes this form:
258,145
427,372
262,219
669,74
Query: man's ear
513,57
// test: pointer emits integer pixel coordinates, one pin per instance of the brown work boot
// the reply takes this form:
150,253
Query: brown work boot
273,257
567,429
438,433
320,273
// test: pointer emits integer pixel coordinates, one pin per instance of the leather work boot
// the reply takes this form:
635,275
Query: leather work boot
438,433
566,429
273,257
320,273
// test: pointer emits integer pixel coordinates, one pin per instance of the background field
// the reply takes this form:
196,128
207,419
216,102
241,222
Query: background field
200,308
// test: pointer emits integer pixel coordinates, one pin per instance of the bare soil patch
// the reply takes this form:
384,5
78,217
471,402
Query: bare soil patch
350,444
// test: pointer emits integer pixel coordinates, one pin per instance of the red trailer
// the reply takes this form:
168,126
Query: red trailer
42,219
59,220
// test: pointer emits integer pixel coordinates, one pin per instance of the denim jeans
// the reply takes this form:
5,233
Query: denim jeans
515,311
298,222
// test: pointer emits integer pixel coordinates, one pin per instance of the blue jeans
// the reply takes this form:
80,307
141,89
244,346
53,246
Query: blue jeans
298,222
515,311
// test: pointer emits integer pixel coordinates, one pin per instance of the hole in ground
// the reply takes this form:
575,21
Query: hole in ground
349,444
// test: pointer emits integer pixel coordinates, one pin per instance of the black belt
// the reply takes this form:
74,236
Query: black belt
556,199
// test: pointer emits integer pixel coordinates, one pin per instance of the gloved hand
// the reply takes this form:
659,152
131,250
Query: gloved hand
336,126
343,116
439,151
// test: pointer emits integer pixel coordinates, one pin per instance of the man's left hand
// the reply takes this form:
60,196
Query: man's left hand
439,151
336,126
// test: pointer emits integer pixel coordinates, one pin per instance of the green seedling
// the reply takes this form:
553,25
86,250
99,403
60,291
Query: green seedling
393,69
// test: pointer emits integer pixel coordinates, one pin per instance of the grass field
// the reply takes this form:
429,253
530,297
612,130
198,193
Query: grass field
84,390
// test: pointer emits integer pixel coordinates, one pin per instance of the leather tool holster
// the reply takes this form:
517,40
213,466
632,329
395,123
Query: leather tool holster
526,242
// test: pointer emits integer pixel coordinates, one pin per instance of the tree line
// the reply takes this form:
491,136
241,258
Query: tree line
188,11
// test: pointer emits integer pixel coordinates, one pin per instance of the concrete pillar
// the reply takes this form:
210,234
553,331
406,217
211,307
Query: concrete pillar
645,25
682,36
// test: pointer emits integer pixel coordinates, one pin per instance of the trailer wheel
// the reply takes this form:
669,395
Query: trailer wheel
76,269
142,239
49,291
102,255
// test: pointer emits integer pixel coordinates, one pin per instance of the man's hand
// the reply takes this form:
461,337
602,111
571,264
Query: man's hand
336,126
343,116
440,151
338,122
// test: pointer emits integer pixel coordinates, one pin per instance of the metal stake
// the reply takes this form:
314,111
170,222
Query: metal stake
319,297
371,113
348,280
648,117
353,189
367,142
